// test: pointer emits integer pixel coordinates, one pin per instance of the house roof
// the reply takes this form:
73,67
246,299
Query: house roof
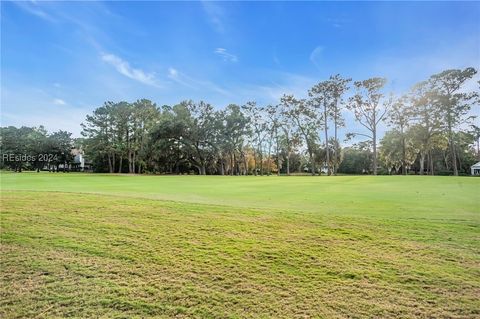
477,165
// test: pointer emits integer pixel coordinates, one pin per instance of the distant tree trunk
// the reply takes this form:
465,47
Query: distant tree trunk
134,159
222,167
198,168
278,155
110,168
335,162
129,158
459,160
422,162
255,163
288,164
120,164
432,172
428,155
235,163
312,161
245,164
177,168
453,153
404,153
374,140
239,165
326,137
478,148
269,158
261,162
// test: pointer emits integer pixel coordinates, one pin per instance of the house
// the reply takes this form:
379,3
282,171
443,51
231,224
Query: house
80,163
475,169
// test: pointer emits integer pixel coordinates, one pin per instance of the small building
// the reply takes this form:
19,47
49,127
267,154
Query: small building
80,163
475,169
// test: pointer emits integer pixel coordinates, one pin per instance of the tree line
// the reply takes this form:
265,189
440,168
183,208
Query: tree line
430,132
34,148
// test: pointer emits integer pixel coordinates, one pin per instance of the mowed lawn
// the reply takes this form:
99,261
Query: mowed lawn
85,245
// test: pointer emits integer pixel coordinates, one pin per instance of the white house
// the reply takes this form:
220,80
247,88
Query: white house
80,163
475,169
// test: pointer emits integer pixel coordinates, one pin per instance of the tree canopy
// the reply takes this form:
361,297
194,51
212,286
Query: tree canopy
431,131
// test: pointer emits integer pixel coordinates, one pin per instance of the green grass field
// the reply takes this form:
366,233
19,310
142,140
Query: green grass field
84,245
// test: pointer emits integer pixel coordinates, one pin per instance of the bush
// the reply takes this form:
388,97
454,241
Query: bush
444,173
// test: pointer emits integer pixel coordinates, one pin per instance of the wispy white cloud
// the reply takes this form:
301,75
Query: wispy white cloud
338,22
276,60
172,73
59,102
34,8
182,79
271,92
316,56
225,55
215,14
188,81
213,87
124,68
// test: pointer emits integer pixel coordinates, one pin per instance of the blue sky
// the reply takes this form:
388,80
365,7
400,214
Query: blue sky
61,60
